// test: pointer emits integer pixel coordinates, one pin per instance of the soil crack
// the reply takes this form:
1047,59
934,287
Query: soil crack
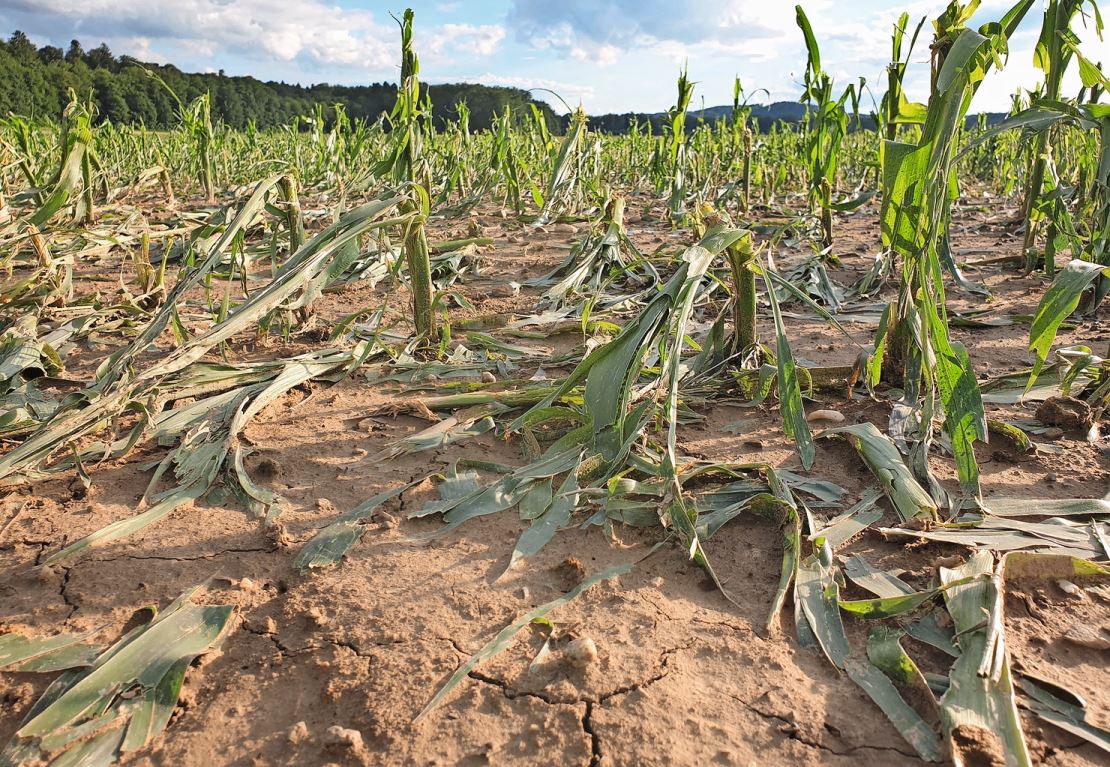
163,558
663,669
73,606
790,728
595,738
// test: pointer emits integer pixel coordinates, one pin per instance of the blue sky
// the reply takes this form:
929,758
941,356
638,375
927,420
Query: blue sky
610,55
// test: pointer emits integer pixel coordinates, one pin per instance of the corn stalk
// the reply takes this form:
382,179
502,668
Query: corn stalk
917,185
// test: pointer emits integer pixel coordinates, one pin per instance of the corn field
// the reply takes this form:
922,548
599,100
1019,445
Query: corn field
441,446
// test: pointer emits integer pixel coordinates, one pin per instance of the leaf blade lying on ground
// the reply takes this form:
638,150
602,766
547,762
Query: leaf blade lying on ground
87,714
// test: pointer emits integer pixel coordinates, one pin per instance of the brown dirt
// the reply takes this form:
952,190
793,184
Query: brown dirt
681,676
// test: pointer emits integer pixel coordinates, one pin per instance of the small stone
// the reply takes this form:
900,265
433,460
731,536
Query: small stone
830,416
343,737
1088,636
488,377
1070,588
581,652
1051,477
323,504
298,733
1064,412
504,291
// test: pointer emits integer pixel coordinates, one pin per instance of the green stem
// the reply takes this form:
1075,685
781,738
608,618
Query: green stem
740,256
420,276
293,221
826,214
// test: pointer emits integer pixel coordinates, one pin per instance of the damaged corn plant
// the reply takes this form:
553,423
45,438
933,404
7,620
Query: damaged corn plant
597,305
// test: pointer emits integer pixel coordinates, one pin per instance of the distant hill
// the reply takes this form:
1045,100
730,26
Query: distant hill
790,112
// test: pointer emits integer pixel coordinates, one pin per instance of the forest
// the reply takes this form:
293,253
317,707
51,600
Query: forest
36,82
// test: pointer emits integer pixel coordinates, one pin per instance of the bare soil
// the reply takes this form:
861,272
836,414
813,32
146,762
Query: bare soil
681,675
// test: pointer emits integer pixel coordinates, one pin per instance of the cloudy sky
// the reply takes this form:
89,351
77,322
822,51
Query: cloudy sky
610,55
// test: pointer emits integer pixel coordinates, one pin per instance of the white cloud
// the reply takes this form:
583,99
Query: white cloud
572,93
316,33
599,31
481,40
139,47
324,34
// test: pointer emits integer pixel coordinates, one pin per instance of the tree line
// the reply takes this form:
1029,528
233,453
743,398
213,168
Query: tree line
35,82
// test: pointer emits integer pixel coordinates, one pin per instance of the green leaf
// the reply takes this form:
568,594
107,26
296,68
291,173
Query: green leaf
794,423
23,654
84,719
913,729
981,692
811,41
888,607
1059,301
543,529
818,594
882,457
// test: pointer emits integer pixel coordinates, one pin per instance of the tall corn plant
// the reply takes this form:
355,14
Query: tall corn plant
504,160
406,165
742,140
196,119
26,150
676,149
1055,49
825,130
564,174
918,180
74,181
456,175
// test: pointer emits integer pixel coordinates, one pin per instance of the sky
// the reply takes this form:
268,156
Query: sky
608,55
